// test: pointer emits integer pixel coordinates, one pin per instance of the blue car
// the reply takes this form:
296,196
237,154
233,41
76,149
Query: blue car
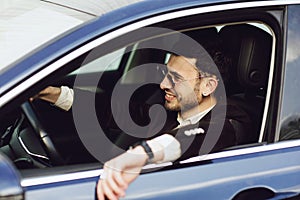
111,51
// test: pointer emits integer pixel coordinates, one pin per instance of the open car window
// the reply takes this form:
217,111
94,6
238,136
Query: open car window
115,90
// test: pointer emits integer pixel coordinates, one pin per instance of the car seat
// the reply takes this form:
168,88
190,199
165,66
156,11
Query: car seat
249,47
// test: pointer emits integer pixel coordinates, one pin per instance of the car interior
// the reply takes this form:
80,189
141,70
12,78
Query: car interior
39,135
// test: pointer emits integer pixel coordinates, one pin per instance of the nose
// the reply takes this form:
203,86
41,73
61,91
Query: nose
165,83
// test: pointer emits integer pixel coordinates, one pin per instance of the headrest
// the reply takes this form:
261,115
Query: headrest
250,48
206,37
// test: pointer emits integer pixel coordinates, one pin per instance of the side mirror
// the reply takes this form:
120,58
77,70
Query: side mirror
10,187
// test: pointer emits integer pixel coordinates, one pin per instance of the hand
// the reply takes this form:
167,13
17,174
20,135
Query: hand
49,94
119,172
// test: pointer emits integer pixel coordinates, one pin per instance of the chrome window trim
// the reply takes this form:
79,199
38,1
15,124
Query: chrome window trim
41,180
187,12
268,95
244,151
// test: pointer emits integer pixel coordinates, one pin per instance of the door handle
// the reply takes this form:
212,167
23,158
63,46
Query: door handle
262,193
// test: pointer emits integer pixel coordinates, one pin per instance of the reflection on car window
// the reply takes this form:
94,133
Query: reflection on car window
290,114
109,62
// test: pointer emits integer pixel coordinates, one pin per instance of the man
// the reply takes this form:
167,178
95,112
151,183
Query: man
190,92
189,85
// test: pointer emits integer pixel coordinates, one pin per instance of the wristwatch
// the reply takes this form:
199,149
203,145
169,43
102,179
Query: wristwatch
146,148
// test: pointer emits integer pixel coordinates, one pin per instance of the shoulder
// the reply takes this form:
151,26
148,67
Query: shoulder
228,109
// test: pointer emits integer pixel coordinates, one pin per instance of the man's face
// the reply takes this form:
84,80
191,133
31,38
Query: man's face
181,84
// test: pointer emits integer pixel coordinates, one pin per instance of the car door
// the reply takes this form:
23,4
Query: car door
244,171
264,171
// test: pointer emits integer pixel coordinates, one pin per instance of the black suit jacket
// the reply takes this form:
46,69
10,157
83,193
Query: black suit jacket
217,125
217,128
214,132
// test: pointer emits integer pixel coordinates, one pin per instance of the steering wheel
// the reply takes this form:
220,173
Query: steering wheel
45,139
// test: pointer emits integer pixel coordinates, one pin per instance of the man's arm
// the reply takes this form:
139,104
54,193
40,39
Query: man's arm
61,97
120,171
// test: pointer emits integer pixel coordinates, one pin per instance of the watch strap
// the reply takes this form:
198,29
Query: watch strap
147,149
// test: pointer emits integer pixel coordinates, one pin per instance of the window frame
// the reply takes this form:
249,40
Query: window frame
81,50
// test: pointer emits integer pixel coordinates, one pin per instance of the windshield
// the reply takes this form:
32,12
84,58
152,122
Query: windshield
25,25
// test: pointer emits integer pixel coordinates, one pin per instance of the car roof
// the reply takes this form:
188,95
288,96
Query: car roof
107,21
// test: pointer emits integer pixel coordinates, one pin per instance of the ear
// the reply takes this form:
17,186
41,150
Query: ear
209,85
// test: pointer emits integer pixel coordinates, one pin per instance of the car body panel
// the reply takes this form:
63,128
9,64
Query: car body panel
238,174
256,167
78,189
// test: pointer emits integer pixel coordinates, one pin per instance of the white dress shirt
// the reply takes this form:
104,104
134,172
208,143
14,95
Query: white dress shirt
65,99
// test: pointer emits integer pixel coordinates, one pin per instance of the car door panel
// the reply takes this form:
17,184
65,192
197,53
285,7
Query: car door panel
239,173
83,189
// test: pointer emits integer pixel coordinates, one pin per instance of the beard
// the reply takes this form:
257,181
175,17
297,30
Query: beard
172,106
184,102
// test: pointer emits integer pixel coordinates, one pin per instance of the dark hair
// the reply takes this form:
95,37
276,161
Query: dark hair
209,56
211,59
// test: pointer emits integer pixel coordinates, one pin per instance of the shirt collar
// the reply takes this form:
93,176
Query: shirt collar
193,119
